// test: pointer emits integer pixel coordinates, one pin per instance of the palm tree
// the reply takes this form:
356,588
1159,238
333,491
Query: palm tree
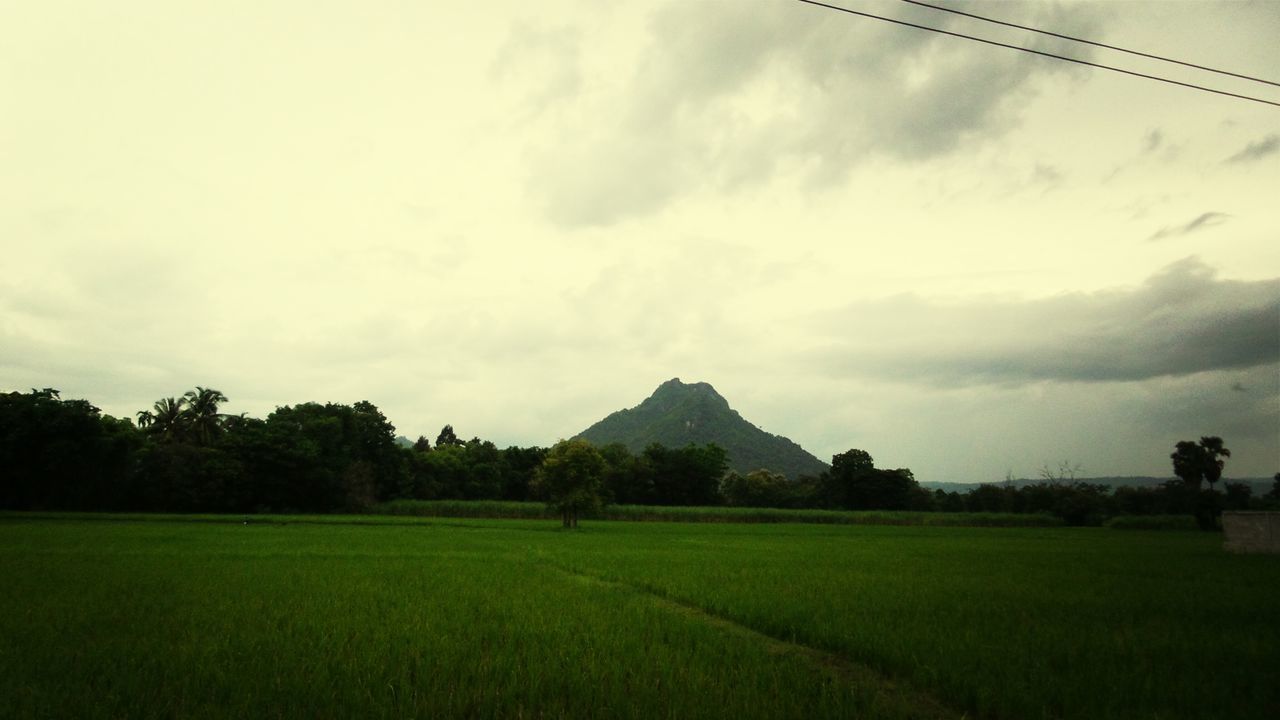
1213,453
167,420
202,413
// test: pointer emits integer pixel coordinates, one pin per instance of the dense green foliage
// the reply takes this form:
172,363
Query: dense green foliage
678,414
570,476
507,618
185,456
63,454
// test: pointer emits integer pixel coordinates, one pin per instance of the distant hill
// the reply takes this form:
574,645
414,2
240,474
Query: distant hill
677,414
1260,486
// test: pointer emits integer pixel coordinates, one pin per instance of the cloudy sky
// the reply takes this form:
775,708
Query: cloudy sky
519,217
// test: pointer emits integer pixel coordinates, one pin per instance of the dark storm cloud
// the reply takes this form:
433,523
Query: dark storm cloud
1204,220
726,93
1181,322
1268,145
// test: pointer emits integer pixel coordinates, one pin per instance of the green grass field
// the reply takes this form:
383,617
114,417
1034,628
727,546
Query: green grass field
484,618
501,509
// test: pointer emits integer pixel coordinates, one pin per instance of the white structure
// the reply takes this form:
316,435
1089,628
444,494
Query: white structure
1251,532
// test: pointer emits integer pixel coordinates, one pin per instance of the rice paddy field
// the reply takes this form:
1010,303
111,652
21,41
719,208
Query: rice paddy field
335,618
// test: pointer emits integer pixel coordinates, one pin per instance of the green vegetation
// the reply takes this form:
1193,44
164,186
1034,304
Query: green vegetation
1203,462
666,513
503,618
1152,522
64,455
570,476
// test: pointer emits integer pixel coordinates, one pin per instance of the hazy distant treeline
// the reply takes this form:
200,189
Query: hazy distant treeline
185,456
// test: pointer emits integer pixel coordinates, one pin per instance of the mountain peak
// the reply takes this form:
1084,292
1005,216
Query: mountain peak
674,392
679,413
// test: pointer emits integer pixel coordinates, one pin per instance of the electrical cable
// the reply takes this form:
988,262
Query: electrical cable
1041,52
1088,42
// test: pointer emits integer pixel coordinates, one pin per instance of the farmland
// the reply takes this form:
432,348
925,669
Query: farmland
515,618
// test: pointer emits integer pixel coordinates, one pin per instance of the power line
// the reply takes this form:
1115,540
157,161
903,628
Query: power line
1040,52
1088,42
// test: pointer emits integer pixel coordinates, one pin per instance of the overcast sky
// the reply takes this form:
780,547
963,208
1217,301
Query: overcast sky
519,217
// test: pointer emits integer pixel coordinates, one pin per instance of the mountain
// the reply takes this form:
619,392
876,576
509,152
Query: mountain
677,414
1260,486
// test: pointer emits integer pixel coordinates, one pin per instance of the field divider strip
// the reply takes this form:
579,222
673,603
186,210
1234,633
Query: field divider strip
920,703
265,520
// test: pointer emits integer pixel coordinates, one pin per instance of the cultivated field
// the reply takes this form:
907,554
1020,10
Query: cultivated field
476,618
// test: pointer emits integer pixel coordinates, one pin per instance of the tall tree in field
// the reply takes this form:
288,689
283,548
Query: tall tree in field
1188,463
1197,462
1214,452
571,477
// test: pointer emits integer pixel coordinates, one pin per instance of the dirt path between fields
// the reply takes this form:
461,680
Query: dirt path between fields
889,697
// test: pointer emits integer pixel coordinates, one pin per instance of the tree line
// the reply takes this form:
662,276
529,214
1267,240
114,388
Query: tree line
183,455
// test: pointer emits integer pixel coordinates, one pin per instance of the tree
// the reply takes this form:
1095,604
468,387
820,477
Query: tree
571,476
447,437
440,474
58,454
484,470
991,498
1065,475
1195,463
1271,499
758,488
627,481
336,456
1188,463
167,421
203,421
373,441
1214,452
519,466
185,477
855,483
1199,462
683,476
1238,496
852,462
193,418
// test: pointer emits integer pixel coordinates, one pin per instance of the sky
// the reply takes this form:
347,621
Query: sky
516,218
